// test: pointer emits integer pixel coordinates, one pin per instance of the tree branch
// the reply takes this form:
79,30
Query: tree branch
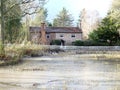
27,7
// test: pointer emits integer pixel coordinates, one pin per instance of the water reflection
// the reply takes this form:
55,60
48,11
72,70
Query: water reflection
62,74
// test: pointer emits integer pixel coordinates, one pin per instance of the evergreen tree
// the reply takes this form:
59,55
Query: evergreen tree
107,32
63,19
12,21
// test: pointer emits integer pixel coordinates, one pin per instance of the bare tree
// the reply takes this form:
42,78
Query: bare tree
89,21
27,6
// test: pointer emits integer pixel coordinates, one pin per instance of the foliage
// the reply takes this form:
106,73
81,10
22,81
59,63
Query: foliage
1,48
78,43
63,19
12,28
14,52
23,49
40,17
114,11
11,12
55,42
115,4
106,32
12,22
88,43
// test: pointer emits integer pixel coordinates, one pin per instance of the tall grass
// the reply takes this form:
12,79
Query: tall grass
14,52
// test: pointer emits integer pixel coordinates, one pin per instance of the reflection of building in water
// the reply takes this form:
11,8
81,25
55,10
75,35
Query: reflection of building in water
44,35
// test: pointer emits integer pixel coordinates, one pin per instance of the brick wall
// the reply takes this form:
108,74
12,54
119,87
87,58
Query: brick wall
69,37
50,37
35,37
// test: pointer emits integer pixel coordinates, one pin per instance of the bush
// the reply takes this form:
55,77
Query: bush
89,43
55,42
94,43
25,49
78,43
14,52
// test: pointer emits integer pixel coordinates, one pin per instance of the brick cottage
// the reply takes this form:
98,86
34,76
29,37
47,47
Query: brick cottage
44,35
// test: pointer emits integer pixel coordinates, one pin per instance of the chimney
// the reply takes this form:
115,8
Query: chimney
43,34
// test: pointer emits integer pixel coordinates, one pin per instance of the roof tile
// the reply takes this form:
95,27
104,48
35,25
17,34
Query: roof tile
57,29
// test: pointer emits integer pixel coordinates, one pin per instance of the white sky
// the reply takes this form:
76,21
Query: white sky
75,6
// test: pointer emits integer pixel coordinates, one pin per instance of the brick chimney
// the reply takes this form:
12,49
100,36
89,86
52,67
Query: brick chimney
43,34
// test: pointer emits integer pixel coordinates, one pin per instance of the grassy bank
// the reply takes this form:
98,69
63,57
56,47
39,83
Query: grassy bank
108,56
14,52
98,56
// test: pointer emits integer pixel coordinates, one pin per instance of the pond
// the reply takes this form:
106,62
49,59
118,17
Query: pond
61,73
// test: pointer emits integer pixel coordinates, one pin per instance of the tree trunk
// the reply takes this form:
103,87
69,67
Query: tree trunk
2,29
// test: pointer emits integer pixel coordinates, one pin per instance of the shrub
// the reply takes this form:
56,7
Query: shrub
14,52
89,43
55,42
78,43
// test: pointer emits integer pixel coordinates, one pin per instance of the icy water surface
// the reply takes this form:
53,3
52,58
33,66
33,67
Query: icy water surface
61,73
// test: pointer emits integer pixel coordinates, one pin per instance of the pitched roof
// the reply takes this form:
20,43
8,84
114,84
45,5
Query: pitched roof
57,29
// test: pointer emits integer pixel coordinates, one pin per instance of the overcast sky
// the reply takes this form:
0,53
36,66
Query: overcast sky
75,6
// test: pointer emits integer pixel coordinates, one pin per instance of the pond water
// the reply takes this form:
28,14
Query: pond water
61,73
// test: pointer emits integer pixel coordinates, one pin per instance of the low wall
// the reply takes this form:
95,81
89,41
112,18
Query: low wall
88,48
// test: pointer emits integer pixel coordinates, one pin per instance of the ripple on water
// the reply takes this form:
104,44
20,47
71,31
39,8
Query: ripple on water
61,74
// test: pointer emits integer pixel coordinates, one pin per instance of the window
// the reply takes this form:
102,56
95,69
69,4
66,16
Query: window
73,35
61,35
48,36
